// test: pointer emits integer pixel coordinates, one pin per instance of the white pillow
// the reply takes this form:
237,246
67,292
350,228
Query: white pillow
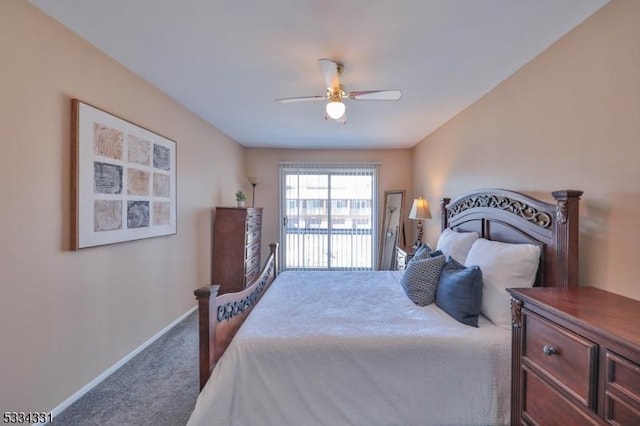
503,266
456,244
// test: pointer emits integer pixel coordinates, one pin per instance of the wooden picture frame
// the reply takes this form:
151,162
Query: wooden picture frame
123,180
392,225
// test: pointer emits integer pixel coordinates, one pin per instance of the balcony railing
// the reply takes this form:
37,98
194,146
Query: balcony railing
343,249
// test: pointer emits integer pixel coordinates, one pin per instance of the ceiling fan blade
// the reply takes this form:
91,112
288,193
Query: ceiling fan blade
376,95
301,99
331,72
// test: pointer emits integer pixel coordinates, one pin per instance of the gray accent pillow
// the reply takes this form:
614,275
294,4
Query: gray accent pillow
436,253
420,279
460,292
422,252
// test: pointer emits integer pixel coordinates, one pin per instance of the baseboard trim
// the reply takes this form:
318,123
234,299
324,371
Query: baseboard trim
86,388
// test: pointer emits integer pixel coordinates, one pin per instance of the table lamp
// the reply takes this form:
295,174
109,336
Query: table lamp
419,210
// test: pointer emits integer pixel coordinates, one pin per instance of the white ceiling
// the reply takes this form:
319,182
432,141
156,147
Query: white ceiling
228,60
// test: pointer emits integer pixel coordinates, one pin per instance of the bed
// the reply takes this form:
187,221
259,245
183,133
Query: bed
333,348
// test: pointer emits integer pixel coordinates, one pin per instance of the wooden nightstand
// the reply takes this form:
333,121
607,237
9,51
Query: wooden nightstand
403,256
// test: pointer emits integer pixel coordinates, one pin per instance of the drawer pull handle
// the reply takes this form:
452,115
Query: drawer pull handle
549,350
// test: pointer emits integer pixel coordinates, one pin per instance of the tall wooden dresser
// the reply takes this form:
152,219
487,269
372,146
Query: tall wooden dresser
576,357
236,247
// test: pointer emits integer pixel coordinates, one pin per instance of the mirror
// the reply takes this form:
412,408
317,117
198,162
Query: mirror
392,221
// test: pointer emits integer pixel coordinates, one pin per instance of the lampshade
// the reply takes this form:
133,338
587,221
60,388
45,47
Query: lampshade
335,109
420,209
253,180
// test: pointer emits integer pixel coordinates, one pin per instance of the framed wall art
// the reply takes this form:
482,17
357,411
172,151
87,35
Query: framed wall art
123,180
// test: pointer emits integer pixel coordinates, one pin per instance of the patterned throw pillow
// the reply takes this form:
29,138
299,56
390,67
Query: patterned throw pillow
420,279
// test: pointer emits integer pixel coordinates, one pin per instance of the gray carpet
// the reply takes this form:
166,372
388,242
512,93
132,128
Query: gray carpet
159,386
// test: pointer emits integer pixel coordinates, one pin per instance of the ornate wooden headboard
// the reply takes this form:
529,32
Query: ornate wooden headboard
512,217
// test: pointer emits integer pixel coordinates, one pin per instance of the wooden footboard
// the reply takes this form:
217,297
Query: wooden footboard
220,317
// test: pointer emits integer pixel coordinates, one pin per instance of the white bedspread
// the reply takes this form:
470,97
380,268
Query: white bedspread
350,348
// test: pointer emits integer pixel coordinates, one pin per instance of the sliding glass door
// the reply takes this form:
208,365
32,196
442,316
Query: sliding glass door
328,216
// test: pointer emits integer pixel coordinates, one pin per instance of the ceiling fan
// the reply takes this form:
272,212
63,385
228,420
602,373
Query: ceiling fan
335,108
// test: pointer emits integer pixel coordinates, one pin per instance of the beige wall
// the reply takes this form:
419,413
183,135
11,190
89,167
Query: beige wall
569,119
65,317
394,173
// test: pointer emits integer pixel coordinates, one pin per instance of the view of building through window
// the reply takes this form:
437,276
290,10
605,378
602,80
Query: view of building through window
328,218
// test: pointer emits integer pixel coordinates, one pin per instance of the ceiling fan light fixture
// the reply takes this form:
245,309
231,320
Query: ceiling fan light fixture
335,109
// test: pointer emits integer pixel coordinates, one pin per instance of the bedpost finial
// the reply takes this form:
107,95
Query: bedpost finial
274,247
207,292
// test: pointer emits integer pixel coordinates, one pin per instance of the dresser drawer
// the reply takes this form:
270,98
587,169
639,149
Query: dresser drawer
623,375
537,408
251,275
622,402
563,357
254,214
254,218
620,412
252,250
252,237
253,226
252,263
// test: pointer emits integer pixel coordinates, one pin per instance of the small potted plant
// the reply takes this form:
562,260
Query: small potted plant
241,197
